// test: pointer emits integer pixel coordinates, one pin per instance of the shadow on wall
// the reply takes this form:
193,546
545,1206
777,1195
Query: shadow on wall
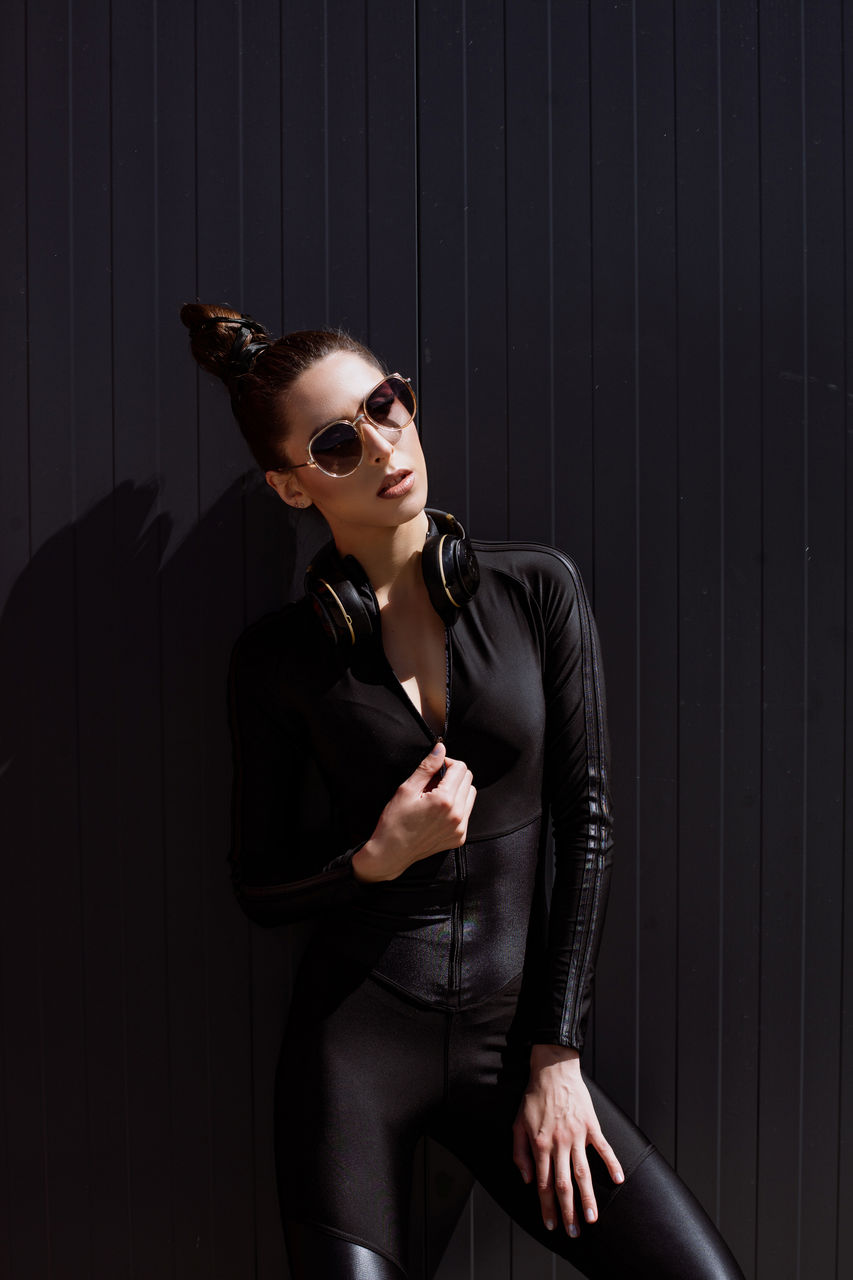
141,1015
127,1016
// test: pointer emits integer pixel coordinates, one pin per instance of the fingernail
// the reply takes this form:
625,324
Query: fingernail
525,1175
573,1231
590,1215
549,1223
620,1177
435,749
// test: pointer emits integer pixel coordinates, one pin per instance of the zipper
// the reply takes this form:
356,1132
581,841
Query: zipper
460,862
454,959
432,736
454,964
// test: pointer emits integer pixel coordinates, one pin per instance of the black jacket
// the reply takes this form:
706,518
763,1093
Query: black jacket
323,738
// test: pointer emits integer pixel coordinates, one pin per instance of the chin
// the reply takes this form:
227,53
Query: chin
413,503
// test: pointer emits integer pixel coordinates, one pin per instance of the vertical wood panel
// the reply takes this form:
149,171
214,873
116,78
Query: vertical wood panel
177,270
784,607
612,576
305,231
55,1090
740,272
268,535
14,523
571,371
110,1016
21,1212
346,112
392,183
607,242
14,474
844,1233
443,247
261,179
529,273
142,958
223,974
657,563
700,602
486,425
209,1243
824,673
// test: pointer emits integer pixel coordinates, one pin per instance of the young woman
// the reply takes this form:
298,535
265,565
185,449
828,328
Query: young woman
449,696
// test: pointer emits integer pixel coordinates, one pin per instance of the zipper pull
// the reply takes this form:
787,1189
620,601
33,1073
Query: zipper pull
439,774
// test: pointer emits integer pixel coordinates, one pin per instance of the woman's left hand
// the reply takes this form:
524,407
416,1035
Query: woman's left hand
556,1122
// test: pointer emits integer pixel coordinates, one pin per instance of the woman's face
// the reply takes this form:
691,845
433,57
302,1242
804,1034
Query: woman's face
390,485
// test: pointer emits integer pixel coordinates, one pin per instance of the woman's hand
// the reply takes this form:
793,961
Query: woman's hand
556,1122
427,813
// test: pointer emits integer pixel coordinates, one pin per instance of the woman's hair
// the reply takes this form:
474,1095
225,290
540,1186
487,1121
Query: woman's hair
259,370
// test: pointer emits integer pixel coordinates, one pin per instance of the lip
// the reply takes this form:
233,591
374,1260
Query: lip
396,485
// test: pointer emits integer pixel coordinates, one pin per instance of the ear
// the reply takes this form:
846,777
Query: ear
288,488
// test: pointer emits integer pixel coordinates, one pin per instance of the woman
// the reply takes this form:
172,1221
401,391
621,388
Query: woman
440,689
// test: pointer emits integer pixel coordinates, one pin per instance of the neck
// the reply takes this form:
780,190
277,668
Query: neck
389,557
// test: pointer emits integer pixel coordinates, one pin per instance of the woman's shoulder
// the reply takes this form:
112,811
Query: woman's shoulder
550,583
541,569
280,636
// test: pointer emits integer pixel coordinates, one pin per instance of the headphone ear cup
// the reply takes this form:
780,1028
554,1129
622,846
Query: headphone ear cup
345,603
449,565
341,597
461,570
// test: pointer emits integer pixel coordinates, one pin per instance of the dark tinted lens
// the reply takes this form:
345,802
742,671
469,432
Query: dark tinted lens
391,403
337,449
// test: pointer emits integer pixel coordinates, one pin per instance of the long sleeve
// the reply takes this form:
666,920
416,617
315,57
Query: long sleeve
282,866
576,778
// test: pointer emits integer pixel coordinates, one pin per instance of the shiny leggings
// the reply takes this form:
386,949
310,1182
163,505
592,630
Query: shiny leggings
364,1074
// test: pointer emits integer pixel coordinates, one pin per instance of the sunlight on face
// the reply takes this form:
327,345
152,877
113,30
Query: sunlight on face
388,487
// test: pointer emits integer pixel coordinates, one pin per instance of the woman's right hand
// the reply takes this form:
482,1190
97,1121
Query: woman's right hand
427,814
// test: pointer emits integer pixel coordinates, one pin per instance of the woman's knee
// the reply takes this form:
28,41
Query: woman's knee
315,1254
662,1230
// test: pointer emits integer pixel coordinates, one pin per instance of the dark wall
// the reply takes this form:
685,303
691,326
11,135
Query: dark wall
609,241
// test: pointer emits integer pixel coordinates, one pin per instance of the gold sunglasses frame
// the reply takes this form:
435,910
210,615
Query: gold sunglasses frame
312,462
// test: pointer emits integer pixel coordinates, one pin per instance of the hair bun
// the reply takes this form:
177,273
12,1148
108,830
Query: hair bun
223,341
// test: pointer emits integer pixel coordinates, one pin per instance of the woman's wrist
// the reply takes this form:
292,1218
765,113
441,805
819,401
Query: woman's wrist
549,1055
370,864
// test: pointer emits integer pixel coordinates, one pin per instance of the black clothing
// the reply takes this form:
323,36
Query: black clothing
323,1256
525,711
418,998
380,1069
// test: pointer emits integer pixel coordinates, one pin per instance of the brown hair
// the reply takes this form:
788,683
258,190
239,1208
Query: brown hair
259,370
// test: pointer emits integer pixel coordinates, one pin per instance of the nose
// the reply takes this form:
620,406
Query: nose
377,447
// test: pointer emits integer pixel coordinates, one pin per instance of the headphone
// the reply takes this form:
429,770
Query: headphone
344,600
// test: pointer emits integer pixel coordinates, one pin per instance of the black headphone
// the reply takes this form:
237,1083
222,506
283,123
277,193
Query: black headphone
344,600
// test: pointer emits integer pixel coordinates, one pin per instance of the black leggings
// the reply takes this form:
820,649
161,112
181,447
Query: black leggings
363,1076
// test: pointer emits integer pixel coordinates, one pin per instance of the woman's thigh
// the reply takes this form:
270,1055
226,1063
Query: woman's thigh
360,1081
648,1226
354,1087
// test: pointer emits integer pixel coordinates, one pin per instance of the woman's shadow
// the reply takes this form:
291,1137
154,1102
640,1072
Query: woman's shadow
142,1013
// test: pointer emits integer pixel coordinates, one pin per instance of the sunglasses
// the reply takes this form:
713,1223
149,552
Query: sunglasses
338,448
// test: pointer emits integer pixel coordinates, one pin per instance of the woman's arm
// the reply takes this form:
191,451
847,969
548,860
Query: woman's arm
556,1121
577,782
427,814
280,870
